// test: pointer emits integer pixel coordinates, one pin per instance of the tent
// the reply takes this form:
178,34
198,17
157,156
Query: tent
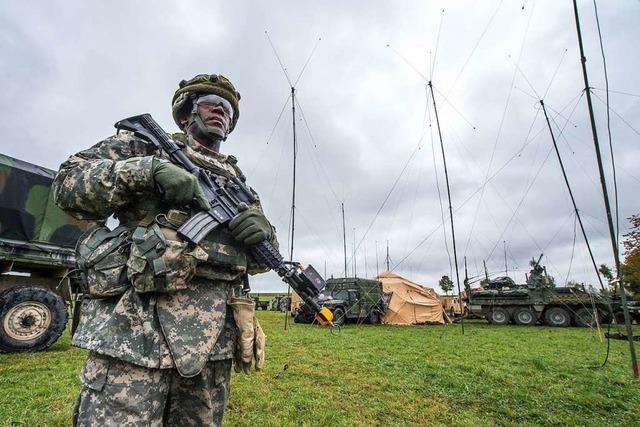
296,301
410,303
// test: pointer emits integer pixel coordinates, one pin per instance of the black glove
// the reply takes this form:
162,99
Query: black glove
250,226
178,187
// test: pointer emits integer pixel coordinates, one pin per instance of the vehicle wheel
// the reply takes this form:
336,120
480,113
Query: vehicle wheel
605,317
499,316
525,316
339,316
298,318
585,317
619,318
303,316
31,319
557,316
374,316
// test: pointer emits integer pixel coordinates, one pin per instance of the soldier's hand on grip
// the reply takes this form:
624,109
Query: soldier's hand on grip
250,226
178,187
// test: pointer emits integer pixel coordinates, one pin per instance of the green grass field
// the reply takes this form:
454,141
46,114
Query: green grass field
382,375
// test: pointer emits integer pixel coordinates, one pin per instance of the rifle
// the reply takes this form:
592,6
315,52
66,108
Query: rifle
226,201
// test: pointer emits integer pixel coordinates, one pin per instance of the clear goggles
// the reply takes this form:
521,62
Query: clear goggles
216,100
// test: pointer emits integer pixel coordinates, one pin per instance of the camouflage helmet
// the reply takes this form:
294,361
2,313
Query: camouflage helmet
216,84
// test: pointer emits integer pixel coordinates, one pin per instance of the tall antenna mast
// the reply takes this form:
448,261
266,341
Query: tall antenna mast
446,176
355,265
377,269
366,274
504,243
573,200
603,183
388,269
292,85
344,240
295,156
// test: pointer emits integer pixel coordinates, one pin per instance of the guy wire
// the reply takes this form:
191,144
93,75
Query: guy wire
499,133
613,162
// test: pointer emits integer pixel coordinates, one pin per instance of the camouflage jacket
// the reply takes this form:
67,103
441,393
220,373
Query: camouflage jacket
179,328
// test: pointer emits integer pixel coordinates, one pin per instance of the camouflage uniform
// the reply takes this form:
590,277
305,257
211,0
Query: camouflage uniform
174,343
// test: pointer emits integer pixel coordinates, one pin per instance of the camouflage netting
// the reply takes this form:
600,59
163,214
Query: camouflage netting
27,210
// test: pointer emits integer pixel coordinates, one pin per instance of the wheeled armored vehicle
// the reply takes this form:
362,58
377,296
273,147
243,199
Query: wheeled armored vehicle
537,301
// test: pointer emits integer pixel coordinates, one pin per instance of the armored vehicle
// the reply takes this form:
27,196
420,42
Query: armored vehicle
538,301
350,299
37,257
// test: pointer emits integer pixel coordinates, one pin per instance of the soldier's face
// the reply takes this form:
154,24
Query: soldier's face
209,121
215,117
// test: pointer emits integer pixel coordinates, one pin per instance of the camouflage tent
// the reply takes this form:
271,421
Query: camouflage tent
27,210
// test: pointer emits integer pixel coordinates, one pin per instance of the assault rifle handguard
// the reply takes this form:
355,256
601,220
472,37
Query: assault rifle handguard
225,201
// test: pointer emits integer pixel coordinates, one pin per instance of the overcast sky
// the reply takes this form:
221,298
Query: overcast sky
69,70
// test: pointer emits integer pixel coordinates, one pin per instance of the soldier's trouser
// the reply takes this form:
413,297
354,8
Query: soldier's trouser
117,393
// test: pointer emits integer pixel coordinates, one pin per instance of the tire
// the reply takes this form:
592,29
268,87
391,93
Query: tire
585,317
619,316
303,316
374,316
499,316
525,317
557,317
339,316
605,317
31,319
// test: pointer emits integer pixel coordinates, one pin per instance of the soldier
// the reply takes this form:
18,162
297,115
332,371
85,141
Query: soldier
164,318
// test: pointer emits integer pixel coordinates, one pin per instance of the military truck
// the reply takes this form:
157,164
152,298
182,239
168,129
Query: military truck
281,303
260,305
538,301
350,299
618,314
37,257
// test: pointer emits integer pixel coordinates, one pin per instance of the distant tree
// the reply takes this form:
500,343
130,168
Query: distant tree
631,264
446,284
605,271
484,283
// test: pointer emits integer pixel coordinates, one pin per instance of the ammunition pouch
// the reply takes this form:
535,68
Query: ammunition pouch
101,257
226,258
160,261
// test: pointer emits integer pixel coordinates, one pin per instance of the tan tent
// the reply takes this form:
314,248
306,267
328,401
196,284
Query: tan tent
410,303
295,301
